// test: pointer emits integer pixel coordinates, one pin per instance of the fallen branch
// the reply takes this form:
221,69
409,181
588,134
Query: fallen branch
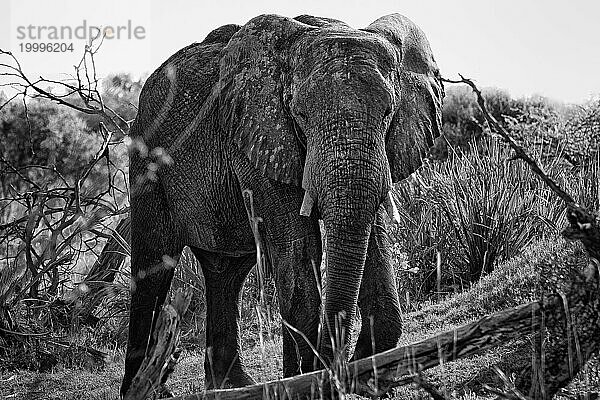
395,367
159,361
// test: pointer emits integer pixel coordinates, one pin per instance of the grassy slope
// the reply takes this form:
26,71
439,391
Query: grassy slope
512,283
509,285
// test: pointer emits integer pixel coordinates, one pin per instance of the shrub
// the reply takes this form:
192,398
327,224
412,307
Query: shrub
474,211
462,119
477,207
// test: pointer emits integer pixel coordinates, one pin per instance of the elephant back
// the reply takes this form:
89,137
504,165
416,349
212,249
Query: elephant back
174,94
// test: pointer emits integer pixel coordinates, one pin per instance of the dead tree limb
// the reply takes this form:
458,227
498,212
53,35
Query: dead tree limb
160,357
395,367
519,152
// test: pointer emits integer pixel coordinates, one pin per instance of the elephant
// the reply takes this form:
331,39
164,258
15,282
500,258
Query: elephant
317,121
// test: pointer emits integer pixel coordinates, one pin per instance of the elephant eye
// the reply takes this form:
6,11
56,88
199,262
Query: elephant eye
303,118
387,112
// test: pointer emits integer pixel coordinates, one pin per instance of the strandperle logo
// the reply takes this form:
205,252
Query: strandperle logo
84,31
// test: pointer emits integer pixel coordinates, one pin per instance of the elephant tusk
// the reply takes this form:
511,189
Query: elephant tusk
307,205
391,209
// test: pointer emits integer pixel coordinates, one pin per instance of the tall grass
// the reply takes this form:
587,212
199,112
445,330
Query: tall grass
477,209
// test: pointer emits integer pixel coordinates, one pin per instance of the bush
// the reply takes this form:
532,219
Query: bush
54,205
474,211
462,119
477,207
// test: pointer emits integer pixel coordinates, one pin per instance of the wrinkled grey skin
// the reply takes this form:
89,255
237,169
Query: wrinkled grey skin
280,106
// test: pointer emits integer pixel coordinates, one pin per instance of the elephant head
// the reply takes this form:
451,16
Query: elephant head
341,112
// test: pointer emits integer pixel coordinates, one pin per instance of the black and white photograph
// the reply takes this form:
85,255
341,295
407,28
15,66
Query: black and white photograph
324,199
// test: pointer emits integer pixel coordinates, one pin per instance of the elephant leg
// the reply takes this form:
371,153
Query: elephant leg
224,277
378,298
297,277
293,245
294,248
155,249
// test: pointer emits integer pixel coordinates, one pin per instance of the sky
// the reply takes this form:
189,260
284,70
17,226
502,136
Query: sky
527,47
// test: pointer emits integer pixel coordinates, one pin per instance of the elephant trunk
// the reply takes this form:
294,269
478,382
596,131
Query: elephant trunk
346,255
348,180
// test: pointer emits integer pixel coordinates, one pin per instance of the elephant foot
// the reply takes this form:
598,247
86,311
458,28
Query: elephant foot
236,378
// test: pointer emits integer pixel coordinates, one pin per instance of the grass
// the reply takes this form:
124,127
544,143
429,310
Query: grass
475,211
265,363
511,283
68,384
517,281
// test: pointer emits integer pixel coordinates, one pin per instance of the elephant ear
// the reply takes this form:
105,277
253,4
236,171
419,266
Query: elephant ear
418,118
251,96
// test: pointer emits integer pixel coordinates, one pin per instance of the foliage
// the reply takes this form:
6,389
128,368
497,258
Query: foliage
574,137
462,119
63,185
43,133
475,210
476,206
120,93
52,194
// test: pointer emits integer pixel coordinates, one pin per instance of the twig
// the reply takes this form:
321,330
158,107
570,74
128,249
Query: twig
519,152
24,333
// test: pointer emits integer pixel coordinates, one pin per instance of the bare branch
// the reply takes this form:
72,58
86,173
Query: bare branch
159,359
519,152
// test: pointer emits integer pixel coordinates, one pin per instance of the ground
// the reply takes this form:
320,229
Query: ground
511,283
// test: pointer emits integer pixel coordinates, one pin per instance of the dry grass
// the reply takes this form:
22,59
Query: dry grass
477,210
511,283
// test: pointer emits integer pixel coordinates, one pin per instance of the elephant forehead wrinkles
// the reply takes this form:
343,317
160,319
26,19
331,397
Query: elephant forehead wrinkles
346,45
354,89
